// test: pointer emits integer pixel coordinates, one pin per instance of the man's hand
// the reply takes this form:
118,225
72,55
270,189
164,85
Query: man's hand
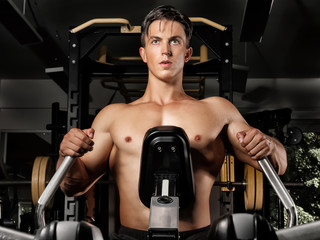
257,144
77,142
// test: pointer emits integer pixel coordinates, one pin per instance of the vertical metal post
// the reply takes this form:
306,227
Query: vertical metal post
225,75
71,207
225,79
3,146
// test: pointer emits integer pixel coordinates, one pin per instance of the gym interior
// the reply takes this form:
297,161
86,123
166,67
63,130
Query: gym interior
63,61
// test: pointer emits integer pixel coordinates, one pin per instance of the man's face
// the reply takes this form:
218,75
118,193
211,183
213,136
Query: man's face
165,50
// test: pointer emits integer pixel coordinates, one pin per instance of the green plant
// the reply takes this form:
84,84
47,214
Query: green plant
304,167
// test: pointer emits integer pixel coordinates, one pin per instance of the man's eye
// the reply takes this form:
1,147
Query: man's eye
155,41
174,41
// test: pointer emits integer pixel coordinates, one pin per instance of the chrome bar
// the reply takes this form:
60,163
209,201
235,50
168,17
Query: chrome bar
51,189
11,234
280,190
308,231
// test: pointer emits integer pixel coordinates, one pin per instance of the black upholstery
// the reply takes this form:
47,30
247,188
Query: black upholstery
67,230
241,226
166,155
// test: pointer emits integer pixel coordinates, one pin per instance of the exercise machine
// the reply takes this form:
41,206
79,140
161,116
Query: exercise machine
166,160
166,179
64,230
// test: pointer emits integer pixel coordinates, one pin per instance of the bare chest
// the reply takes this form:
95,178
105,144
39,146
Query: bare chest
202,128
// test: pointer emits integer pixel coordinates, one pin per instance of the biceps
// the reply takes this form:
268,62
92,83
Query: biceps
96,161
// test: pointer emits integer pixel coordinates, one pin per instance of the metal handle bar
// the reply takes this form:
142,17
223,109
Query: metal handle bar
12,234
308,231
130,27
101,20
208,22
51,189
281,191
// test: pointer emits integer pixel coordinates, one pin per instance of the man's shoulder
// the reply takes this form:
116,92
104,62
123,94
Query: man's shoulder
108,113
218,101
113,108
223,107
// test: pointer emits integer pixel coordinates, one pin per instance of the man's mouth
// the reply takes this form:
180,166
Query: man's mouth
165,63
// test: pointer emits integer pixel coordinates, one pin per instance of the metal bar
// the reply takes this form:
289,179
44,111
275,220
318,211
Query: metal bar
208,22
3,146
226,184
102,20
225,75
309,231
51,189
281,191
218,183
11,183
8,233
228,173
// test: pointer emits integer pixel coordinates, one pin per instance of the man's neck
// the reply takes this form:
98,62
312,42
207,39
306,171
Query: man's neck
162,92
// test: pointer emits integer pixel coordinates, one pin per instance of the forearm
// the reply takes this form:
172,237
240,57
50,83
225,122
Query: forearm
76,180
251,145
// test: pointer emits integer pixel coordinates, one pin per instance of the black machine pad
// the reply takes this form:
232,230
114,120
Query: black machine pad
166,155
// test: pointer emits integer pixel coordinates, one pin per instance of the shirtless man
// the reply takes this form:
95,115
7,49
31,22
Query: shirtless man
118,130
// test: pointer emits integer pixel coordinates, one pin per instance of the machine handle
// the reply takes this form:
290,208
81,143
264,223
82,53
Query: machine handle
12,234
102,20
208,22
51,189
281,191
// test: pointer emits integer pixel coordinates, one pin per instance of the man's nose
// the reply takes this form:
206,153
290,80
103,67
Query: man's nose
166,49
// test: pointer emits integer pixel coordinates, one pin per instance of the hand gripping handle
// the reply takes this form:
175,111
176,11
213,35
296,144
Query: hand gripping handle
51,189
280,190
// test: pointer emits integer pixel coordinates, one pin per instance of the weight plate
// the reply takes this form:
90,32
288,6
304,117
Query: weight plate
43,170
250,191
35,180
259,190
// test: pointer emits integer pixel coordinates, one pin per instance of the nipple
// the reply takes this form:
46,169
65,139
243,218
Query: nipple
128,139
197,138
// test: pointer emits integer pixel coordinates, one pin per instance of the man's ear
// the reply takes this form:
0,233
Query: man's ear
188,54
142,52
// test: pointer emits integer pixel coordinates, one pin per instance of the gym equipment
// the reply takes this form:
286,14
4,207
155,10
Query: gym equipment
242,226
252,183
42,171
137,29
171,146
166,178
65,230
253,194
247,226
164,153
280,190
309,231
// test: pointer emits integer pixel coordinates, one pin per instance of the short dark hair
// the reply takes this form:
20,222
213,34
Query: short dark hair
169,13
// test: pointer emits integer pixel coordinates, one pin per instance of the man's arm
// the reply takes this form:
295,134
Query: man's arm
91,148
250,144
